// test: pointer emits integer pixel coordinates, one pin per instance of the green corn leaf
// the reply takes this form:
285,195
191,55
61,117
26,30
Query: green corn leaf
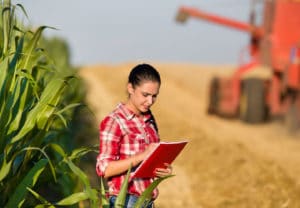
8,69
28,126
44,109
7,86
84,179
58,149
28,181
3,78
17,55
49,99
47,157
79,152
121,198
6,25
23,9
44,206
145,198
104,200
39,197
68,107
29,61
11,100
82,176
73,199
5,168
16,107
12,67
31,46
63,120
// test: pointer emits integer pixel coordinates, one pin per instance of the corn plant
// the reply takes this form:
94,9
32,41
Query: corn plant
34,111
87,192
143,200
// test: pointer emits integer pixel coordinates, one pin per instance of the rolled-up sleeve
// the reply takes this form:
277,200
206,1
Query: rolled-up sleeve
109,144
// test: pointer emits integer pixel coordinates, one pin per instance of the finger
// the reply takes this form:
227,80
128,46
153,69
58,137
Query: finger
163,171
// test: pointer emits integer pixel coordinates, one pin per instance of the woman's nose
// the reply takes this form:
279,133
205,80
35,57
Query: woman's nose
150,100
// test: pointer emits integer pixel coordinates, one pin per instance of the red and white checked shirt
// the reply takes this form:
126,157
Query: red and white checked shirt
122,135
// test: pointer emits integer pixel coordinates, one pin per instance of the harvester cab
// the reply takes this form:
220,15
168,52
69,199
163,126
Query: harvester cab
269,84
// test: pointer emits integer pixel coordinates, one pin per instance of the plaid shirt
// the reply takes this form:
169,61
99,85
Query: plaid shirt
122,135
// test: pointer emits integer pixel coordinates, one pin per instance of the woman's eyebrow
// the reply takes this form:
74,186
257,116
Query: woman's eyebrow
147,93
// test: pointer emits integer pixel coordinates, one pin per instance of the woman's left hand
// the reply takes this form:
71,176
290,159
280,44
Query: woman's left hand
162,172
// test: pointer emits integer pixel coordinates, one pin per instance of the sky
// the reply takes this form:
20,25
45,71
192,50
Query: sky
112,32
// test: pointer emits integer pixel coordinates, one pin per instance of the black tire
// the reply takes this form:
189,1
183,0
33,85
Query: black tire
213,96
292,119
253,107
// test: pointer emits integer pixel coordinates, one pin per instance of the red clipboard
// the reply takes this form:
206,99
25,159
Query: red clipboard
165,152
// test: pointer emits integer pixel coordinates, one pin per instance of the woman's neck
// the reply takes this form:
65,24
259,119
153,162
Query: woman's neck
132,108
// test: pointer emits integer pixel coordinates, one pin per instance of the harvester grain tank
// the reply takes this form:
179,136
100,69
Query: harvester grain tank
268,85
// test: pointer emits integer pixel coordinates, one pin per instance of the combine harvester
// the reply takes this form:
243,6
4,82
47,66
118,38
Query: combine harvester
268,85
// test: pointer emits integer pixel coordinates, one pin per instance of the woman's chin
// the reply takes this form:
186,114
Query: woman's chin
144,110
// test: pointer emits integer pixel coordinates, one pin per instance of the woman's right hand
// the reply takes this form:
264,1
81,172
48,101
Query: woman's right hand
149,149
141,156
119,166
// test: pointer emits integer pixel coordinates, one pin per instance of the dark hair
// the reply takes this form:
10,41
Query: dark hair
143,72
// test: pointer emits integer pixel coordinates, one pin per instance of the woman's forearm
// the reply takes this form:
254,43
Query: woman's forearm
120,166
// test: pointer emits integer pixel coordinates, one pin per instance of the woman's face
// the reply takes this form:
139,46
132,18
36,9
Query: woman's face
143,96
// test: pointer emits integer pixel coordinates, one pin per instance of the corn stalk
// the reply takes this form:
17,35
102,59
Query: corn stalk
34,111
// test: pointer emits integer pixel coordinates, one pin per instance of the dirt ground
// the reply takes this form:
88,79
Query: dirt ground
227,163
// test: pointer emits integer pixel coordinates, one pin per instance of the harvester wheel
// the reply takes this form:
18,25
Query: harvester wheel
292,119
213,96
253,107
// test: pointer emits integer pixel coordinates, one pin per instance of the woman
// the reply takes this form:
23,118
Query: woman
128,134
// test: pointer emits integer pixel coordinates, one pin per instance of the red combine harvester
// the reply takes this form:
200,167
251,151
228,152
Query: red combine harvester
268,85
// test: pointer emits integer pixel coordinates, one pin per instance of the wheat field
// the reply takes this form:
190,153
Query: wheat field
227,163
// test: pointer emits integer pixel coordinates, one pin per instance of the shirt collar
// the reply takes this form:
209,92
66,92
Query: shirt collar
125,111
129,114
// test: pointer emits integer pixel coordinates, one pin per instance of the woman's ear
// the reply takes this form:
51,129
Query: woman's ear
130,89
